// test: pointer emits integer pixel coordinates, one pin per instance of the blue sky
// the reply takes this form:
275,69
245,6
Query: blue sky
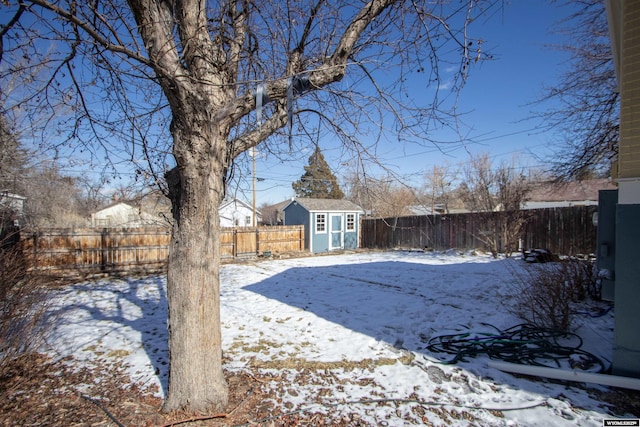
495,102
495,105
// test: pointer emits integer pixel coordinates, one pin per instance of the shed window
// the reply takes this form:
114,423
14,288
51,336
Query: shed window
321,223
351,222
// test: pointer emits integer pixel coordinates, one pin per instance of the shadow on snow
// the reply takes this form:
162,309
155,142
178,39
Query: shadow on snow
400,303
138,304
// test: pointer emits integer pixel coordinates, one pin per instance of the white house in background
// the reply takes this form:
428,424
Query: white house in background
122,214
576,193
421,210
236,213
12,201
15,204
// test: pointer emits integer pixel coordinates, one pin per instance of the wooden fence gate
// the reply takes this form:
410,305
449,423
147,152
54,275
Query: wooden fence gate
251,241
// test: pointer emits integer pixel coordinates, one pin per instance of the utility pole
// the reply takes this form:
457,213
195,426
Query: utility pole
260,97
254,220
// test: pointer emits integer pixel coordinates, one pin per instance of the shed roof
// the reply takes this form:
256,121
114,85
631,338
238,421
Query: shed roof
326,204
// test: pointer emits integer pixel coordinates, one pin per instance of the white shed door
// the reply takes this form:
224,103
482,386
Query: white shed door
336,232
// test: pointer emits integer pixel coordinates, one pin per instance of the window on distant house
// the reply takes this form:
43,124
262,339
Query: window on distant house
247,220
321,223
351,222
103,222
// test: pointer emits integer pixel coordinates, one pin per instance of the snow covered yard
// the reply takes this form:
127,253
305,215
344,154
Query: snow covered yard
346,335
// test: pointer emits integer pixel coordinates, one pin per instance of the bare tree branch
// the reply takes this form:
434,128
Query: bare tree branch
71,17
587,111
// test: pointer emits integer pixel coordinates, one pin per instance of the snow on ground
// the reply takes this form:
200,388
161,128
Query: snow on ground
345,334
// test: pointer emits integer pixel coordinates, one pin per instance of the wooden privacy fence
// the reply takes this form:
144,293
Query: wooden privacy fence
567,230
94,251
141,250
252,241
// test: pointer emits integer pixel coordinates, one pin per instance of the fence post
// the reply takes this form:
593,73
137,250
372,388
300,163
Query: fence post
257,240
235,244
103,249
301,239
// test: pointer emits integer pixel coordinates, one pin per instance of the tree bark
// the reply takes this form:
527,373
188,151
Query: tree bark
196,381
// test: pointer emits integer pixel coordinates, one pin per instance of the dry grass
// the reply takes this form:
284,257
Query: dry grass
38,391
345,365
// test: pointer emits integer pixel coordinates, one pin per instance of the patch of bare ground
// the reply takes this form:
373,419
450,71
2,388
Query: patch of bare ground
38,391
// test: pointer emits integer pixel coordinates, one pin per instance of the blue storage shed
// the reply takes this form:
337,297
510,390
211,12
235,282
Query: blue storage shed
329,224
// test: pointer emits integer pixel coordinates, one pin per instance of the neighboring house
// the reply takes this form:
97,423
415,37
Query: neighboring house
156,204
420,210
236,213
274,214
329,224
12,202
577,193
122,214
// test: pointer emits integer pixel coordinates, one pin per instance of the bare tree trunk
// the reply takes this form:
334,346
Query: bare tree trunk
196,381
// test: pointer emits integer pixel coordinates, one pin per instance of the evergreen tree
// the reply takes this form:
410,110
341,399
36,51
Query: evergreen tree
13,159
318,181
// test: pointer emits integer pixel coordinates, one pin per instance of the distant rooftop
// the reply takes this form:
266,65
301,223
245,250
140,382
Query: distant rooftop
576,191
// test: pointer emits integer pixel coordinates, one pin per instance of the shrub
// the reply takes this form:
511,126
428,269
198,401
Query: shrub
545,295
22,307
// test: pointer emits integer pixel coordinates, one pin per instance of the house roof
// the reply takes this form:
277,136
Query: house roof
111,205
326,204
422,210
280,206
8,195
570,191
230,201
233,200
